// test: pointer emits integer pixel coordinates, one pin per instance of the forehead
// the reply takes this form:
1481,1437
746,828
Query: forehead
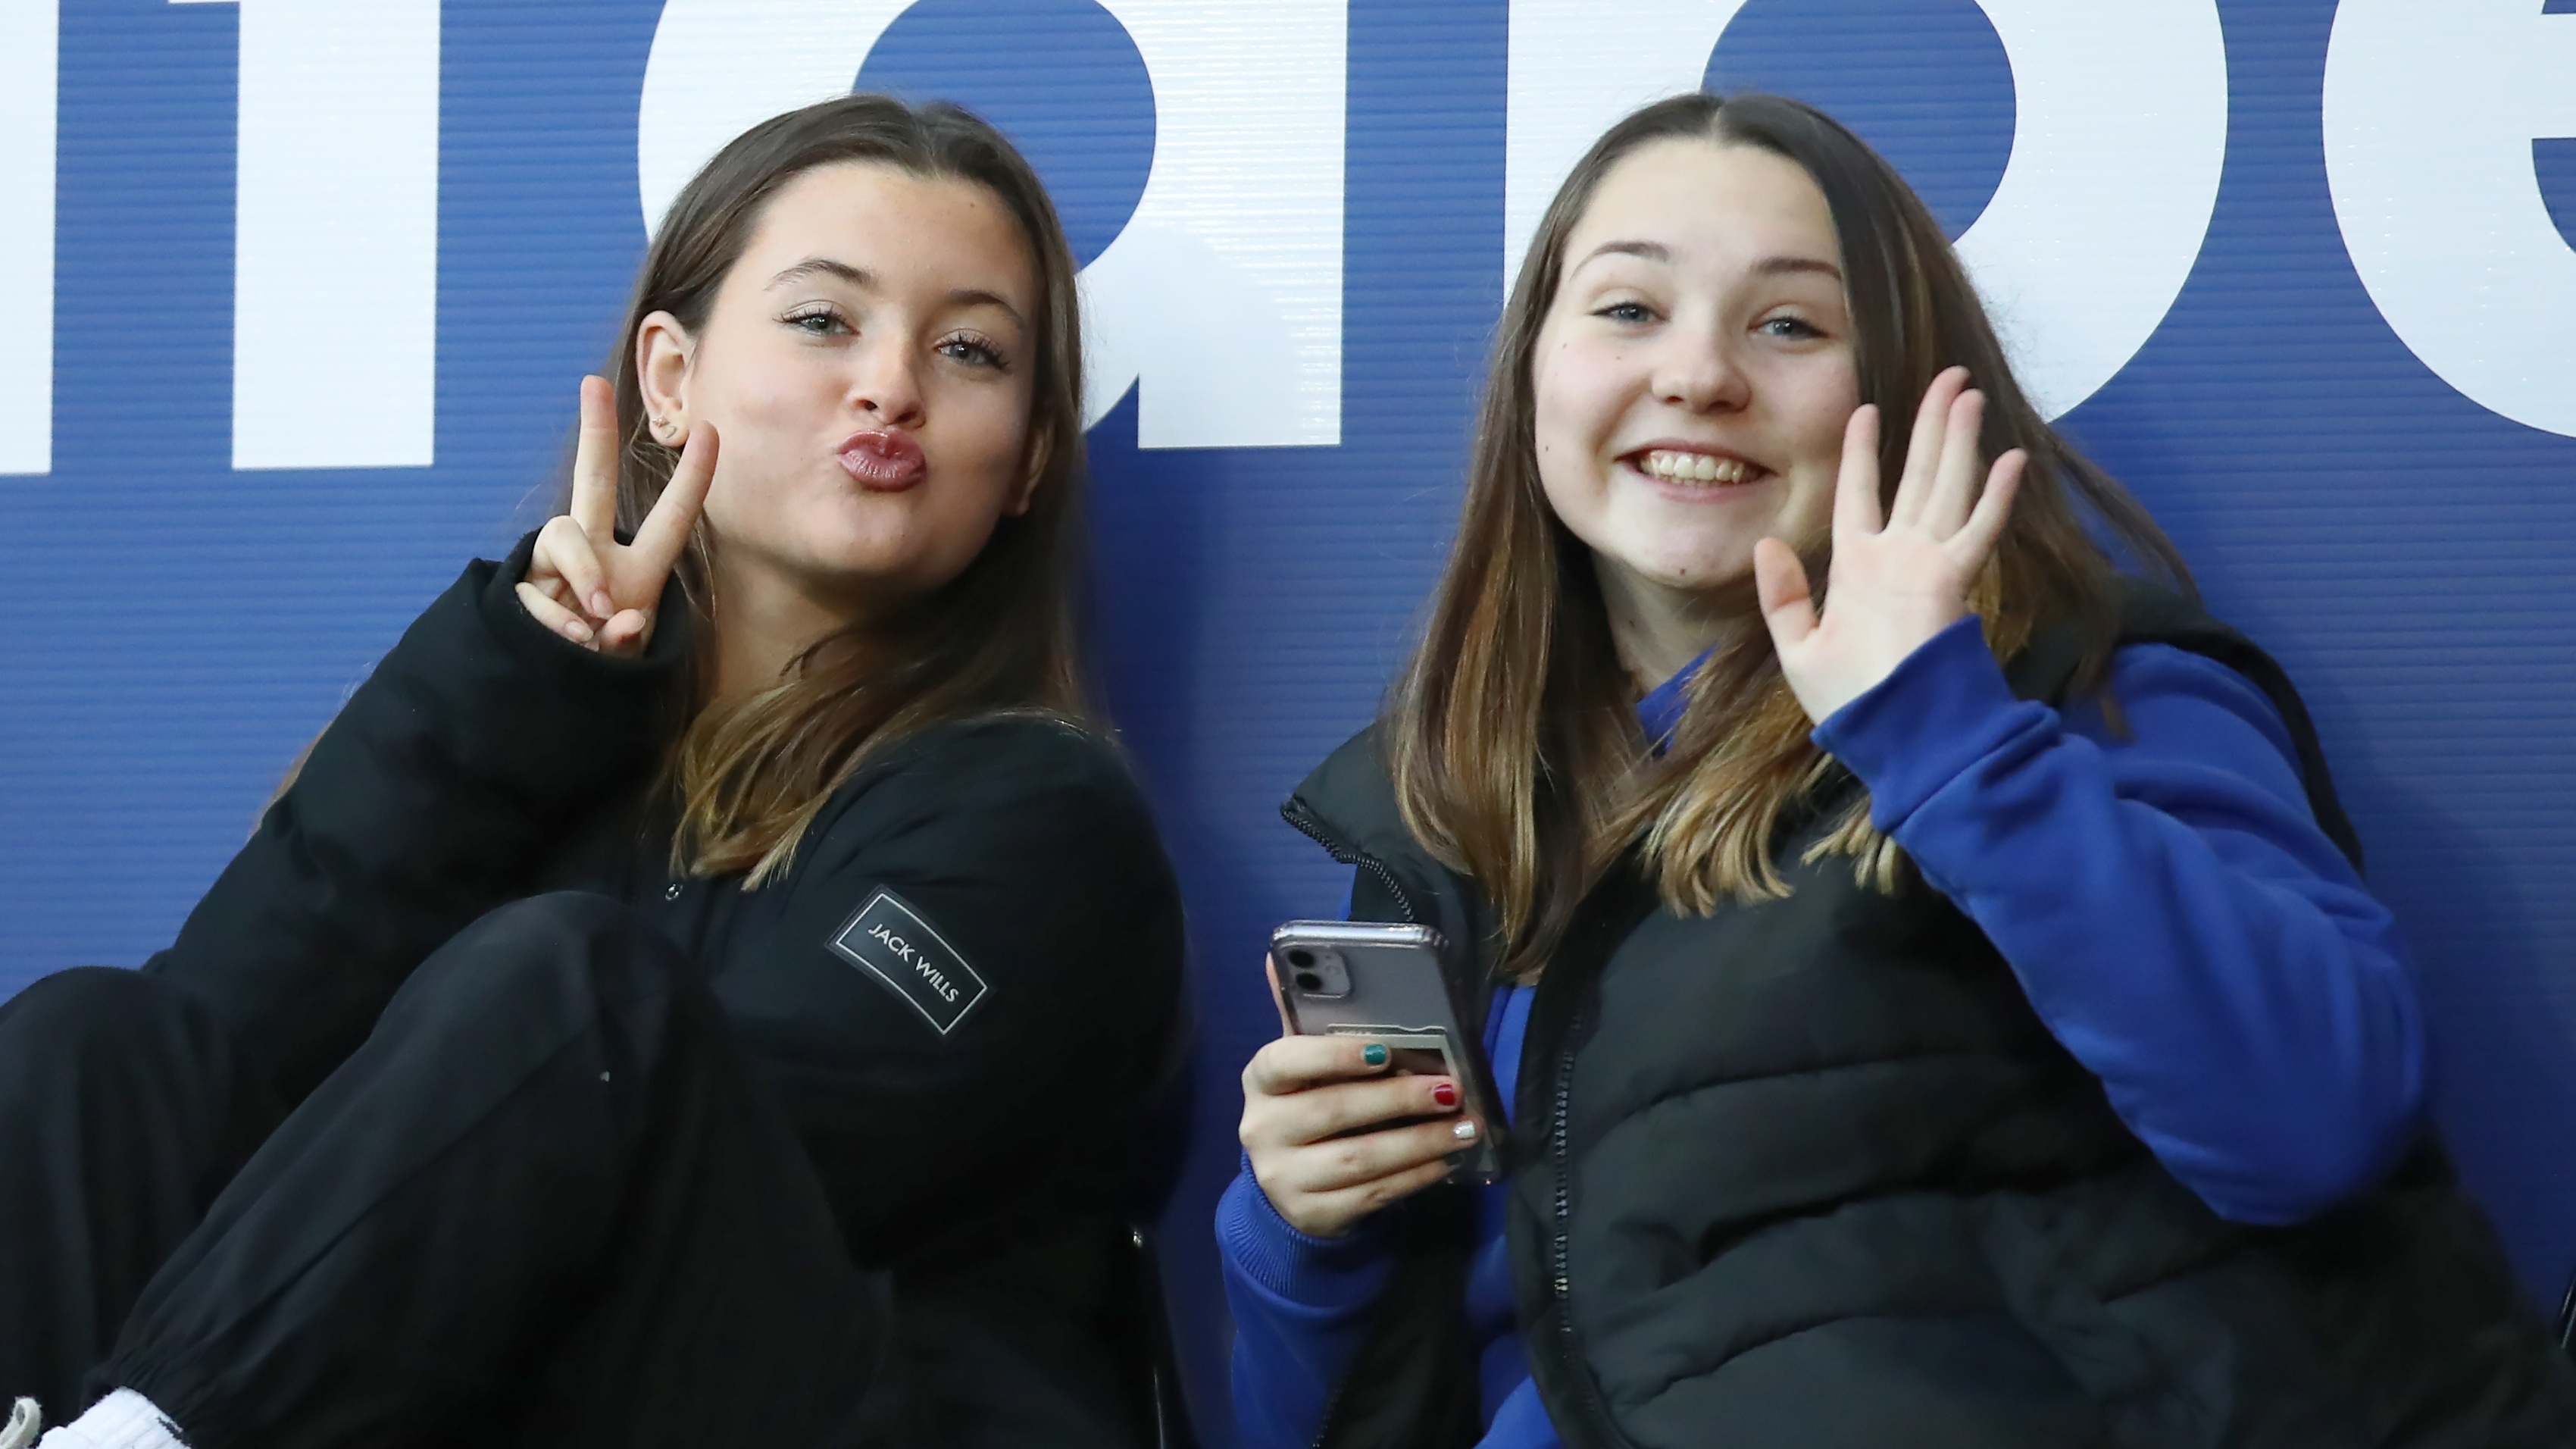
1708,202
892,223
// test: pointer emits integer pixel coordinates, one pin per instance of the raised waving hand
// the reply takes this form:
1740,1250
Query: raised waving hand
582,583
1892,585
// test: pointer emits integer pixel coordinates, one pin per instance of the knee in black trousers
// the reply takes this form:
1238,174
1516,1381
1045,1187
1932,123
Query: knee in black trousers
544,1195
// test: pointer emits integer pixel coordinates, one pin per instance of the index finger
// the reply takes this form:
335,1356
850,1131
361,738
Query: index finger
594,462
665,530
1295,1063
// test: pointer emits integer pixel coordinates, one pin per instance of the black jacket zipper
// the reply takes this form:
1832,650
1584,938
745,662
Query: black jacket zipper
1571,974
1296,814
1560,1244
1560,1247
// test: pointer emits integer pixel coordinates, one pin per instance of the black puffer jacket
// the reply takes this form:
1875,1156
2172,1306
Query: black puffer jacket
1813,1173
486,760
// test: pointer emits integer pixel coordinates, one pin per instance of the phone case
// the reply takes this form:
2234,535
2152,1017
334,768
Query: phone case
1398,985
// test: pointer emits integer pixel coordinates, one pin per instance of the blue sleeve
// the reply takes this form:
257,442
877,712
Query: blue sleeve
1301,1308
2170,906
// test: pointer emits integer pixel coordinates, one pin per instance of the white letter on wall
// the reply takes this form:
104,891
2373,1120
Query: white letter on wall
1222,298
2430,110
335,266
2118,142
28,43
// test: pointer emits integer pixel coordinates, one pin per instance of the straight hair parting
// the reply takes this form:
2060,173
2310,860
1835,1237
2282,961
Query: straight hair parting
1512,737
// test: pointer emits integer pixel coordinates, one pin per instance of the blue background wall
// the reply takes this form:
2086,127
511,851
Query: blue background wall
176,630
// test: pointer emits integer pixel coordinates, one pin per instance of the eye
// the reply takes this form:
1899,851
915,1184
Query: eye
817,321
1793,329
974,352
1628,313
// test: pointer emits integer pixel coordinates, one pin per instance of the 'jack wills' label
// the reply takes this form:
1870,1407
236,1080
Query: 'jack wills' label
894,944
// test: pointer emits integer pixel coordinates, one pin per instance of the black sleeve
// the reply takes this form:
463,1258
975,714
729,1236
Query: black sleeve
475,742
971,985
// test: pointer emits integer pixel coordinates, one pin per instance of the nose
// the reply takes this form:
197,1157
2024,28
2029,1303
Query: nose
885,384
1695,371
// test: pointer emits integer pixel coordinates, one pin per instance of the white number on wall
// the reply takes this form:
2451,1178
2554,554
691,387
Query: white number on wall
335,280
2431,107
2118,142
29,37
1222,299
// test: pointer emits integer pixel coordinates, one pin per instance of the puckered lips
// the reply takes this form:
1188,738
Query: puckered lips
1680,468
883,460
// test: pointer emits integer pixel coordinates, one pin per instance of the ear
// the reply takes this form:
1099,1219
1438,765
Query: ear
662,352
1041,452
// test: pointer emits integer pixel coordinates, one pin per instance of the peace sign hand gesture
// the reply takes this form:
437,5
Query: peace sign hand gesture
582,583
1890,588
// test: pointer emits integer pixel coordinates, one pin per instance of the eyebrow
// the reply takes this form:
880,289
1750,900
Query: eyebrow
975,297
866,281
826,267
1777,266
1767,267
1650,251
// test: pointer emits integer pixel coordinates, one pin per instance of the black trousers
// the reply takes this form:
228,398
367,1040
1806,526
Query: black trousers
545,1202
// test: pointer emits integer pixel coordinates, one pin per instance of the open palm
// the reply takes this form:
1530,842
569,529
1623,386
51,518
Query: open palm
1891,585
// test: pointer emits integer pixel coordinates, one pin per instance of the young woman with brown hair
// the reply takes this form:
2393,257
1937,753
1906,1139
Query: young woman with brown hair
633,1024
1936,1000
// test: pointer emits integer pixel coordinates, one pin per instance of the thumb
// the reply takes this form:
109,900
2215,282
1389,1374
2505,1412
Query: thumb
1780,582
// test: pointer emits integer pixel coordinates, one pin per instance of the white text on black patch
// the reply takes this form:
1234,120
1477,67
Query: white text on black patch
890,941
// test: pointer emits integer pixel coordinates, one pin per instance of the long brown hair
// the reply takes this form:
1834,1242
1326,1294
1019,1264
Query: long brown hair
751,775
1512,736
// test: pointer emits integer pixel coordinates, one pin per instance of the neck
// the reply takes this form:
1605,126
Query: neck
763,621
1659,630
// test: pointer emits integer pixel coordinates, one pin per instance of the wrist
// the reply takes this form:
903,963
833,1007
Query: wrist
1944,707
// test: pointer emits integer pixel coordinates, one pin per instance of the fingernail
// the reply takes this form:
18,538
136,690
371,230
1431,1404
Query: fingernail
1445,1094
1374,1054
1465,1130
577,631
602,605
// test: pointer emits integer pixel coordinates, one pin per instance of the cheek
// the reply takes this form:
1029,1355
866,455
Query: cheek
1556,436
1575,397
989,438
1576,390
1824,401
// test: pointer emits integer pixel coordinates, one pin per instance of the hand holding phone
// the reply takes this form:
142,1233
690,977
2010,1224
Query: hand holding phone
1336,1130
1333,1134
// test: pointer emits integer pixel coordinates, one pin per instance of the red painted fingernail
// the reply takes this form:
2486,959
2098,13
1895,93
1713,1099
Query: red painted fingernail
1445,1094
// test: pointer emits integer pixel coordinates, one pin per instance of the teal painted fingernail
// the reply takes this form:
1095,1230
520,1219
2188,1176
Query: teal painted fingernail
1374,1054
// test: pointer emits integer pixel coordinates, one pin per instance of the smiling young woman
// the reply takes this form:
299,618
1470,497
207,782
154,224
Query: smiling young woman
634,1023
1937,1008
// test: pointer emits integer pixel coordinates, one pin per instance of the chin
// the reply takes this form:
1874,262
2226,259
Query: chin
1697,570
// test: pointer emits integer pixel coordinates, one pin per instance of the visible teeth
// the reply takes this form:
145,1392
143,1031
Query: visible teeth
1695,467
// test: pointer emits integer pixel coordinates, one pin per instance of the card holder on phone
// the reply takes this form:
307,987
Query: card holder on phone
1394,984
1434,1053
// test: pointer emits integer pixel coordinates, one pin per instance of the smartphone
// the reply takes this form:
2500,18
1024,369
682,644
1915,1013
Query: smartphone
1398,985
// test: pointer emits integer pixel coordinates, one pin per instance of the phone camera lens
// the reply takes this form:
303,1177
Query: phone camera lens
1302,959
1309,981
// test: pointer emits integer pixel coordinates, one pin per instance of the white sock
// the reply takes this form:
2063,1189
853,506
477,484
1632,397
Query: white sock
122,1420
20,1430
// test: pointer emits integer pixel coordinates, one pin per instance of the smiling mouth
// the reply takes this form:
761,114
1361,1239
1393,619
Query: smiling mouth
1673,466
